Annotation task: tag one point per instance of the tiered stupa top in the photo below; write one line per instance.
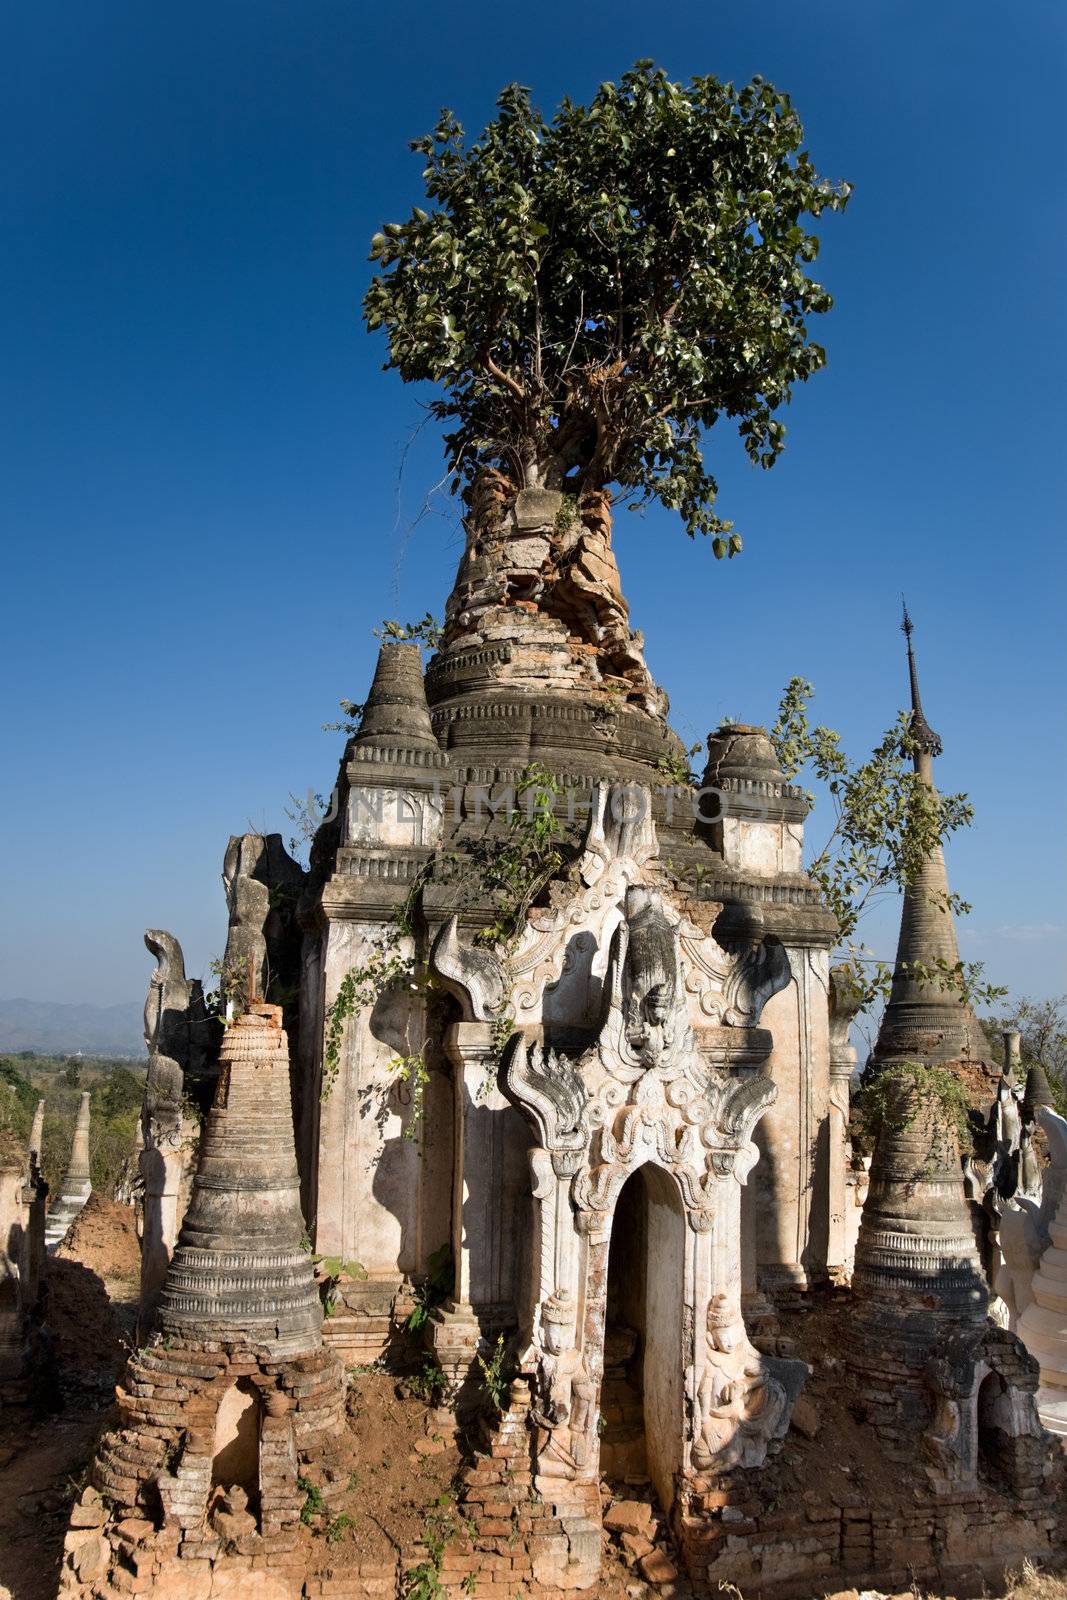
(925, 1021)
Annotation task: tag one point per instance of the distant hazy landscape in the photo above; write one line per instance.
(51, 1028)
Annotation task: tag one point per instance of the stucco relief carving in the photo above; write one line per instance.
(550, 1089)
(567, 944)
(567, 1389)
(566, 937)
(741, 1407)
(731, 987)
(469, 972)
(642, 1093)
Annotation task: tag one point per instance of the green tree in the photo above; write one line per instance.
(18, 1098)
(593, 293)
(1042, 1029)
(120, 1093)
(886, 821)
(72, 1072)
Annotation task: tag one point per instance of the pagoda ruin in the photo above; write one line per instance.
(572, 1073)
(234, 1393)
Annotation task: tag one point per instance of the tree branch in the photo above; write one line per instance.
(515, 388)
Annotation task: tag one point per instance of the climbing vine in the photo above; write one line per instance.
(516, 874)
(384, 965)
(513, 875)
(894, 1098)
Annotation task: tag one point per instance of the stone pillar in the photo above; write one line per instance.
(76, 1186)
(793, 1175)
(1013, 1059)
(844, 1004)
(162, 1169)
(37, 1133)
(77, 1181)
(489, 1140)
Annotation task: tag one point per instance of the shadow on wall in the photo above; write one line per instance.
(761, 1194)
(817, 1245)
(411, 1171)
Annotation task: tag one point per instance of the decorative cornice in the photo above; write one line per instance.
(395, 756)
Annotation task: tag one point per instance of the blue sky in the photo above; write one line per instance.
(204, 513)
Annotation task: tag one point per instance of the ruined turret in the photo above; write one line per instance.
(235, 1395)
(76, 1187)
(937, 1379)
(917, 1275)
(1036, 1095)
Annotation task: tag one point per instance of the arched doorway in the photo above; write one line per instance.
(642, 1400)
(236, 1454)
(992, 1415)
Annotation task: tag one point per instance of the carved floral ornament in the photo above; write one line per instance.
(642, 1092)
(641, 1089)
(728, 987)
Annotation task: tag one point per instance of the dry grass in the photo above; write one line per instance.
(1030, 1583)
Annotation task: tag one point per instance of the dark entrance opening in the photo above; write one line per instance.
(236, 1459)
(642, 1412)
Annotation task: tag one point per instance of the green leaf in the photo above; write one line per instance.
(653, 308)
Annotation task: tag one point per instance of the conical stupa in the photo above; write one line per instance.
(239, 1267)
(1036, 1094)
(395, 714)
(235, 1395)
(924, 1021)
(918, 1277)
(76, 1187)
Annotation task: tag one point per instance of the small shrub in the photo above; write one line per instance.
(496, 1374)
(434, 1290)
(313, 1505)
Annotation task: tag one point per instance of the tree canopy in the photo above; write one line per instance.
(594, 292)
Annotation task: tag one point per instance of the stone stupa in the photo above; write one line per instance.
(923, 1020)
(918, 1277)
(234, 1394)
(76, 1187)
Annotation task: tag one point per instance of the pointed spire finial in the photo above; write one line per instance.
(927, 741)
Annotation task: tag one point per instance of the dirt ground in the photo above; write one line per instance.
(44, 1458)
(406, 1468)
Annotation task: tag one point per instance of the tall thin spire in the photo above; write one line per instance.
(924, 1021)
(926, 740)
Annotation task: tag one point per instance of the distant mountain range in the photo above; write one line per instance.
(53, 1029)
